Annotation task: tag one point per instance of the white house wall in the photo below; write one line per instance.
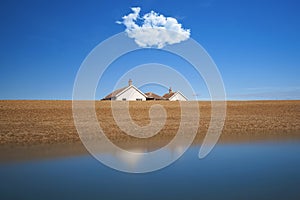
(131, 95)
(177, 97)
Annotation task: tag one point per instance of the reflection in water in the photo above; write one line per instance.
(136, 159)
(130, 159)
(261, 170)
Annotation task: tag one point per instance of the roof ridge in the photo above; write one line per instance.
(115, 92)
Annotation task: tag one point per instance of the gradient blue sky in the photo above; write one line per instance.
(255, 44)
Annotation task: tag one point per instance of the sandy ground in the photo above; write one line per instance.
(31, 125)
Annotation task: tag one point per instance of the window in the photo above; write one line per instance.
(124, 99)
(138, 99)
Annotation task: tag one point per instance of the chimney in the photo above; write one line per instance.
(170, 90)
(129, 82)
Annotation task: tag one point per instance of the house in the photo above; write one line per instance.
(129, 93)
(174, 96)
(153, 96)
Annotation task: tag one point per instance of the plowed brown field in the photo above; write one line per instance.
(51, 122)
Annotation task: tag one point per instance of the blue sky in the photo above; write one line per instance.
(255, 44)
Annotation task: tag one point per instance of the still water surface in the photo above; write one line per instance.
(260, 170)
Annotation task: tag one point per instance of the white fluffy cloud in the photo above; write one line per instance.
(155, 30)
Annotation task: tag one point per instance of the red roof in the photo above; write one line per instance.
(168, 95)
(153, 95)
(114, 93)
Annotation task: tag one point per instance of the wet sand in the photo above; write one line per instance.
(43, 129)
